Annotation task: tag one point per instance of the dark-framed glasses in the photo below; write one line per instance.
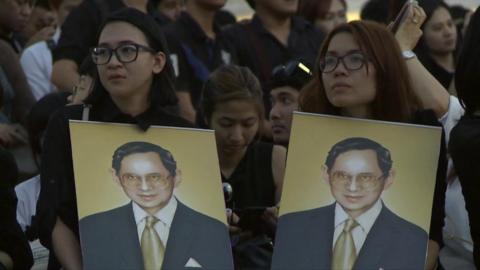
(362, 180)
(152, 180)
(351, 61)
(125, 53)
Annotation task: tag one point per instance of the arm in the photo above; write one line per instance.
(66, 246)
(65, 74)
(279, 157)
(432, 255)
(79, 33)
(5, 260)
(23, 99)
(187, 110)
(430, 92)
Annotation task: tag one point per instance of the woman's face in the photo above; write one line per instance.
(351, 87)
(336, 15)
(127, 80)
(440, 33)
(235, 123)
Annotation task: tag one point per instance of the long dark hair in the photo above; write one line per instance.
(162, 91)
(394, 99)
(467, 75)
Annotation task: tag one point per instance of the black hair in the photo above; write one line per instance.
(376, 10)
(429, 6)
(467, 74)
(229, 83)
(138, 147)
(162, 91)
(37, 118)
(294, 74)
(358, 143)
(251, 3)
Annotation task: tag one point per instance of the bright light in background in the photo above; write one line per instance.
(241, 9)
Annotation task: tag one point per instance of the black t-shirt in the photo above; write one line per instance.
(259, 50)
(464, 149)
(194, 55)
(57, 195)
(252, 180)
(80, 29)
(12, 239)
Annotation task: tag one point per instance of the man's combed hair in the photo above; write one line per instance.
(131, 148)
(358, 143)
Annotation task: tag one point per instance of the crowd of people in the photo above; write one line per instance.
(189, 63)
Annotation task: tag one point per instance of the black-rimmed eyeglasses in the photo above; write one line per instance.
(351, 61)
(126, 53)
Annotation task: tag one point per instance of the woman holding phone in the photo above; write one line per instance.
(363, 72)
(232, 106)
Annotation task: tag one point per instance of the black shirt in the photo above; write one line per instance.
(57, 195)
(260, 51)
(12, 239)
(464, 148)
(252, 180)
(80, 29)
(194, 55)
(428, 117)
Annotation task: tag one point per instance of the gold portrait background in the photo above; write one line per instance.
(93, 145)
(414, 150)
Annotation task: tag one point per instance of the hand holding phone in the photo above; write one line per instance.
(406, 26)
(401, 16)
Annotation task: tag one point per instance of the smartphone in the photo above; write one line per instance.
(250, 217)
(401, 15)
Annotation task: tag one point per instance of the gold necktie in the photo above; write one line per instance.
(152, 247)
(344, 253)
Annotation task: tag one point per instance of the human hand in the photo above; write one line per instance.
(81, 90)
(11, 136)
(270, 215)
(409, 32)
(43, 34)
(233, 220)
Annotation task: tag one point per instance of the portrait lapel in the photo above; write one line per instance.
(180, 239)
(125, 238)
(321, 229)
(376, 243)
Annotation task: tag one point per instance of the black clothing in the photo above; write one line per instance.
(57, 196)
(428, 117)
(253, 187)
(12, 239)
(252, 180)
(464, 149)
(260, 51)
(443, 76)
(194, 55)
(80, 29)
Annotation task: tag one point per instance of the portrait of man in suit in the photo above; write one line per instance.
(155, 230)
(357, 231)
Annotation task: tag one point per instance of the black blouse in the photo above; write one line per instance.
(57, 196)
(464, 148)
(252, 181)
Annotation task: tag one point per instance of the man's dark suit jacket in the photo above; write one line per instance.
(304, 240)
(110, 241)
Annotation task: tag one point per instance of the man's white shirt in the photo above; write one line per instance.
(365, 223)
(165, 217)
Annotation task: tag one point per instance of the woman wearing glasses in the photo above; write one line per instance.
(361, 74)
(133, 86)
